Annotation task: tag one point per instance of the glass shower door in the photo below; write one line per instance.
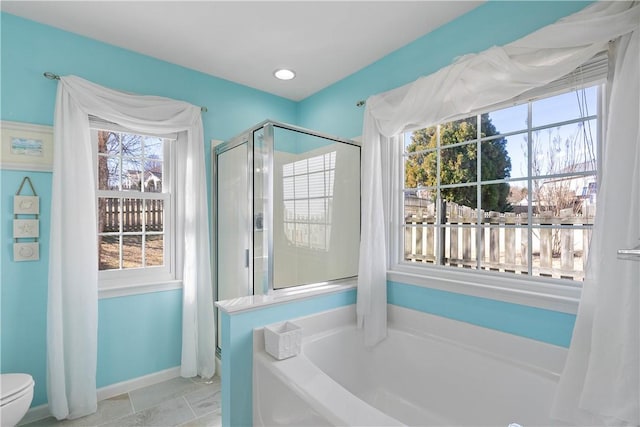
(233, 224)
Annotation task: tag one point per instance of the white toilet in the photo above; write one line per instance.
(16, 393)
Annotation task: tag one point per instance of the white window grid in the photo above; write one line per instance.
(479, 245)
(124, 192)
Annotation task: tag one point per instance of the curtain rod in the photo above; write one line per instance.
(52, 76)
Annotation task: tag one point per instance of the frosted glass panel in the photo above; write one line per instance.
(233, 224)
(316, 209)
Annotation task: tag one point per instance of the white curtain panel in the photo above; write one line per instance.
(198, 329)
(371, 303)
(474, 83)
(73, 264)
(72, 322)
(601, 379)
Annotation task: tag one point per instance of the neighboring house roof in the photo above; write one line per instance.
(150, 176)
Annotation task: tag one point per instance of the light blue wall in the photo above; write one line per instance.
(23, 288)
(530, 322)
(137, 335)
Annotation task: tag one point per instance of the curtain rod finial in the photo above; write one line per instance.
(51, 76)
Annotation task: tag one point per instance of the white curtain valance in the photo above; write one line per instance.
(143, 113)
(478, 81)
(73, 265)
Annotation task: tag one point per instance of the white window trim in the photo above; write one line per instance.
(119, 283)
(115, 290)
(545, 293)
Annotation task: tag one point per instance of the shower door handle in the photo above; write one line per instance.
(246, 258)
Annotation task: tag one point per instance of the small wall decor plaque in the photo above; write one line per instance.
(26, 205)
(29, 251)
(25, 228)
(26, 225)
(26, 146)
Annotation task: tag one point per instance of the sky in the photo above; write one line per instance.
(544, 112)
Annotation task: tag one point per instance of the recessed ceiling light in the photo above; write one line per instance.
(284, 74)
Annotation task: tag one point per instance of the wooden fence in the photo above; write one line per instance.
(500, 241)
(135, 213)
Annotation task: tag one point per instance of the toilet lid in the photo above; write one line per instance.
(12, 384)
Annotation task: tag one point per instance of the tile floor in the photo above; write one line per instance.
(180, 402)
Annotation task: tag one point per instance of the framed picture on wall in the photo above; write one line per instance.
(26, 146)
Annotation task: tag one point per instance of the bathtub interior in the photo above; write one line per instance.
(443, 385)
(271, 409)
(436, 371)
(295, 391)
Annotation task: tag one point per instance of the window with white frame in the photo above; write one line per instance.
(511, 190)
(134, 202)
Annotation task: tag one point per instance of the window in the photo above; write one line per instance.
(511, 190)
(308, 198)
(134, 201)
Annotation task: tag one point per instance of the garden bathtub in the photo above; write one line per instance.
(429, 371)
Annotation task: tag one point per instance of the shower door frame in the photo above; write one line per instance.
(246, 138)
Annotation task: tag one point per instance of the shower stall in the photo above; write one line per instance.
(287, 210)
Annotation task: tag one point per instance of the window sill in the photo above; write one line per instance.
(517, 290)
(114, 291)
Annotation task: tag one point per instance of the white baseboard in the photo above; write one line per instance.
(42, 411)
(130, 385)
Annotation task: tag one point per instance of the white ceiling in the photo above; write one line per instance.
(245, 41)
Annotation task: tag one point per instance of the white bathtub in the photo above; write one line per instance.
(429, 371)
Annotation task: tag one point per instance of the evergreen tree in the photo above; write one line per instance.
(459, 164)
